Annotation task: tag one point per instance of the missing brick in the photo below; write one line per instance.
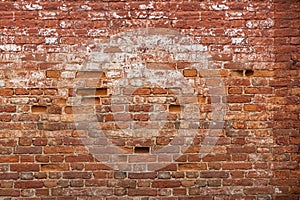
(141, 149)
(38, 109)
(174, 108)
(249, 72)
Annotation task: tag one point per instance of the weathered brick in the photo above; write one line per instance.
(6, 92)
(25, 167)
(52, 74)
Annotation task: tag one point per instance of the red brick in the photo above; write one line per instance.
(147, 175)
(259, 190)
(233, 166)
(77, 175)
(28, 150)
(192, 166)
(25, 167)
(166, 184)
(190, 72)
(254, 107)
(9, 176)
(21, 91)
(214, 174)
(11, 192)
(52, 74)
(54, 167)
(161, 65)
(238, 99)
(58, 150)
(28, 184)
(262, 90)
(9, 159)
(6, 92)
(142, 192)
(237, 182)
(8, 109)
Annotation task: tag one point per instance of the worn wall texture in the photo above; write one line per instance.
(150, 99)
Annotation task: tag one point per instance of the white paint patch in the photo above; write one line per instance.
(97, 16)
(68, 74)
(95, 32)
(47, 15)
(2, 83)
(63, 7)
(16, 5)
(73, 66)
(51, 40)
(10, 47)
(235, 32)
(64, 24)
(32, 7)
(115, 15)
(85, 7)
(157, 15)
(237, 40)
(220, 7)
(48, 32)
(114, 74)
(278, 191)
(37, 75)
(250, 8)
(268, 23)
(145, 7)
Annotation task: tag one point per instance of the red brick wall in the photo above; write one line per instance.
(149, 99)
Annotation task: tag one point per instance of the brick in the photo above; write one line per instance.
(136, 91)
(54, 110)
(8, 109)
(25, 167)
(53, 74)
(254, 107)
(28, 150)
(28, 184)
(189, 72)
(6, 92)
(58, 150)
(54, 167)
(79, 158)
(146, 175)
(258, 90)
(9, 176)
(214, 174)
(142, 192)
(161, 65)
(259, 190)
(238, 99)
(237, 182)
(21, 91)
(92, 92)
(166, 184)
(11, 192)
(232, 166)
(192, 166)
(9, 159)
(76, 175)
(90, 74)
